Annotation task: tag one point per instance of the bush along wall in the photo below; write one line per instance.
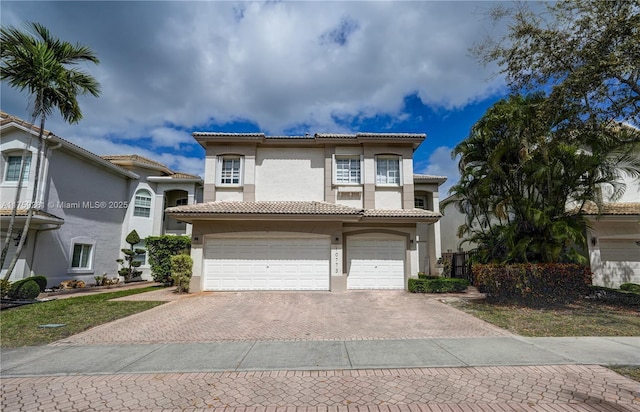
(533, 284)
(437, 285)
(160, 249)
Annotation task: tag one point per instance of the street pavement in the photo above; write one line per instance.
(365, 372)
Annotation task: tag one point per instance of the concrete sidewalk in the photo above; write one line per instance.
(318, 355)
(491, 374)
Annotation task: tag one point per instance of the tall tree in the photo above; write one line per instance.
(524, 181)
(582, 54)
(46, 67)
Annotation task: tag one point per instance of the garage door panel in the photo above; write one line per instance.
(266, 264)
(375, 263)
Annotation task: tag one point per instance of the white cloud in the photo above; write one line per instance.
(303, 66)
(440, 163)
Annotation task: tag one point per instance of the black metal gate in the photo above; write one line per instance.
(459, 266)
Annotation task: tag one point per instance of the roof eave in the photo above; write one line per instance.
(191, 217)
(169, 179)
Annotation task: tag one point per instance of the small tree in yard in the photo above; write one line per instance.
(129, 265)
(181, 268)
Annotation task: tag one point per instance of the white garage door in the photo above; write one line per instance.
(375, 263)
(266, 264)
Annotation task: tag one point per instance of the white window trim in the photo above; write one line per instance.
(335, 169)
(219, 161)
(5, 160)
(82, 241)
(399, 158)
(150, 203)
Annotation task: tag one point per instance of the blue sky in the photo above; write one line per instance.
(170, 68)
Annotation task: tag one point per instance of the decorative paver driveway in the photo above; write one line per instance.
(233, 316)
(491, 389)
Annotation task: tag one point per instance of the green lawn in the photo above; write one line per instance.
(19, 326)
(583, 318)
(632, 372)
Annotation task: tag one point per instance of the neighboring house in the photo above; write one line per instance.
(322, 212)
(613, 237)
(451, 220)
(86, 204)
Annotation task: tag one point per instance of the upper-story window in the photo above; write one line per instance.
(347, 170)
(182, 201)
(14, 163)
(420, 202)
(388, 171)
(229, 171)
(142, 204)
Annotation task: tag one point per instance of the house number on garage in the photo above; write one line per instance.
(336, 260)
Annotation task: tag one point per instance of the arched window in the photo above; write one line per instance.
(142, 204)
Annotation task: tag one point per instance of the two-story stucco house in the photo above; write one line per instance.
(86, 204)
(314, 212)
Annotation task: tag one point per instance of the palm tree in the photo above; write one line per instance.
(519, 171)
(44, 66)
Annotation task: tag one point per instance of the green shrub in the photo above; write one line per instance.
(437, 285)
(630, 287)
(24, 289)
(533, 284)
(422, 275)
(41, 281)
(4, 287)
(159, 251)
(614, 296)
(181, 270)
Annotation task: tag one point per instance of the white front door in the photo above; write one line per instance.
(375, 262)
(266, 264)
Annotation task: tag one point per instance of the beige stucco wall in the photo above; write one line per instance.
(289, 174)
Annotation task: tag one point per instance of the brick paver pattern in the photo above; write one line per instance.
(529, 388)
(264, 316)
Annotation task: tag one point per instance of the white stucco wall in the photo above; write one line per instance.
(91, 201)
(289, 174)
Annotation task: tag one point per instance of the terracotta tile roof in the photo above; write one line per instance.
(366, 135)
(6, 118)
(429, 178)
(630, 208)
(23, 213)
(180, 175)
(224, 134)
(297, 208)
(132, 158)
(286, 208)
(409, 213)
(371, 135)
(120, 160)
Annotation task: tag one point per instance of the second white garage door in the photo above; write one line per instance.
(375, 263)
(266, 264)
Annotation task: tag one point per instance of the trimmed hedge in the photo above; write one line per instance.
(630, 287)
(533, 283)
(24, 289)
(422, 275)
(614, 296)
(41, 281)
(437, 285)
(160, 249)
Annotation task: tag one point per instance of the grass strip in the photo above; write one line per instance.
(582, 318)
(631, 372)
(19, 326)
